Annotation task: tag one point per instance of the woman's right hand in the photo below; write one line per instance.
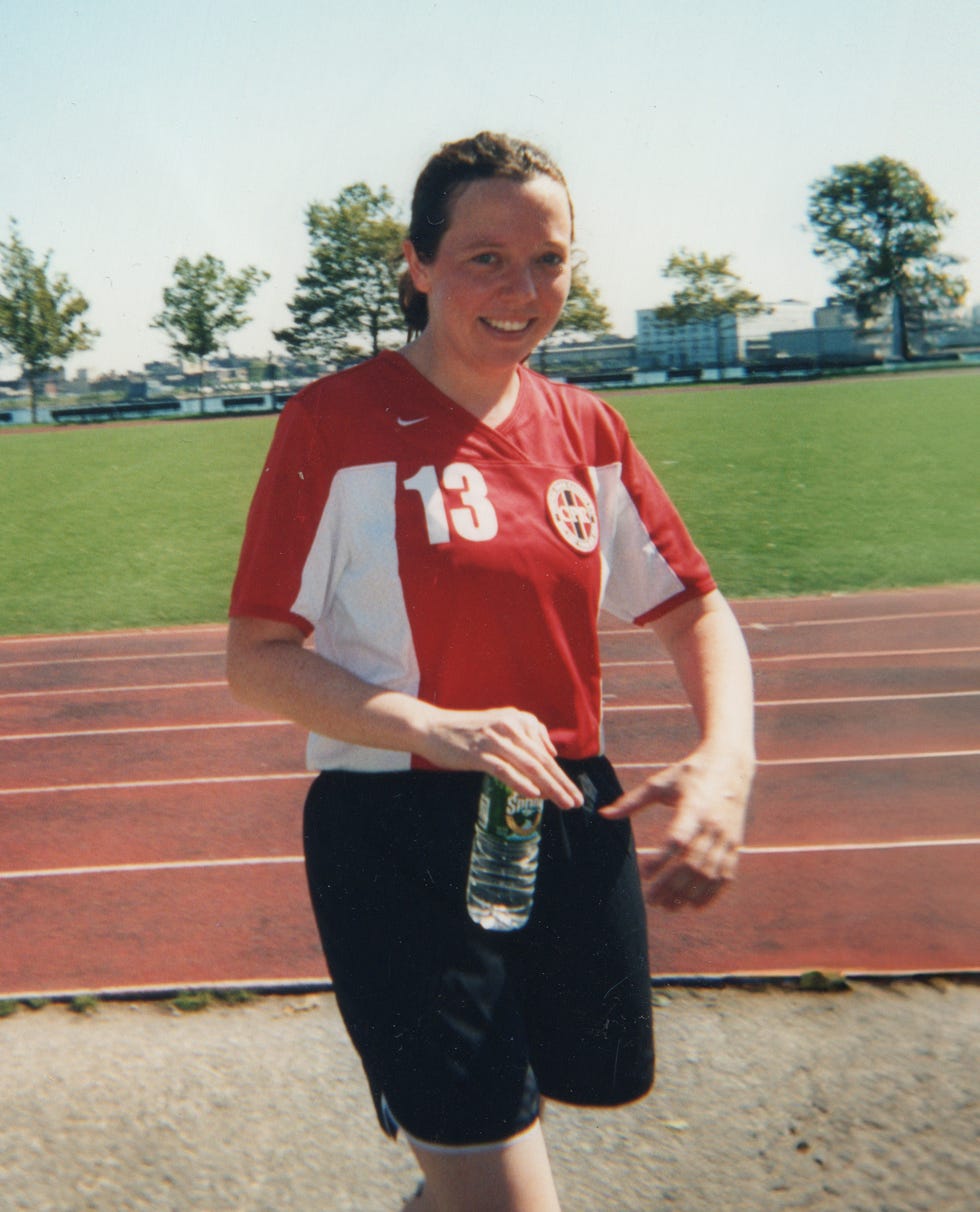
(269, 667)
(512, 745)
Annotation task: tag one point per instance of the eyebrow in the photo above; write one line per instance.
(497, 242)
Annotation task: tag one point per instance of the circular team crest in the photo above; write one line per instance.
(573, 515)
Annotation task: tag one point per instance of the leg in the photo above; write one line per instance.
(512, 1177)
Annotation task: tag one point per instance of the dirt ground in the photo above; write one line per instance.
(768, 1099)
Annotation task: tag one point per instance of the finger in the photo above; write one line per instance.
(701, 855)
(729, 864)
(555, 784)
(534, 753)
(657, 790)
(534, 777)
(713, 854)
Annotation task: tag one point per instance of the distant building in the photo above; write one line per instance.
(834, 340)
(834, 315)
(682, 347)
(823, 345)
(163, 370)
(610, 357)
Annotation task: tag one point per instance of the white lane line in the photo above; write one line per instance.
(843, 759)
(221, 628)
(870, 757)
(140, 633)
(217, 780)
(96, 660)
(871, 698)
(145, 729)
(863, 618)
(816, 656)
(144, 784)
(832, 847)
(836, 622)
(608, 708)
(174, 865)
(293, 859)
(635, 633)
(840, 847)
(889, 654)
(136, 687)
(797, 702)
(832, 701)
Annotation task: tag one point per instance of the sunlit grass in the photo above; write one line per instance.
(838, 485)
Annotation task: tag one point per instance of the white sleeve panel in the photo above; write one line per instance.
(352, 593)
(635, 576)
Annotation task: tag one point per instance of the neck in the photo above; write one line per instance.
(489, 396)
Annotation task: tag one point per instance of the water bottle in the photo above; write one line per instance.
(504, 857)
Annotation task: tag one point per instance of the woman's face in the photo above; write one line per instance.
(501, 274)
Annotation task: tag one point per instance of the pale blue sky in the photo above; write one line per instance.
(134, 133)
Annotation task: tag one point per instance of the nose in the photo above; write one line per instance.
(519, 283)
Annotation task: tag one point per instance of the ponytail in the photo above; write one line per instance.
(414, 305)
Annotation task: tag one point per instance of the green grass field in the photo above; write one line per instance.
(837, 485)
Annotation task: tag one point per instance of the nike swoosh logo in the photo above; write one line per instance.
(405, 421)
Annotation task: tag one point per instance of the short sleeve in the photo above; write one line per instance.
(282, 520)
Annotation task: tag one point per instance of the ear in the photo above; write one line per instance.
(418, 269)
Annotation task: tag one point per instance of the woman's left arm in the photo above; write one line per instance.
(709, 789)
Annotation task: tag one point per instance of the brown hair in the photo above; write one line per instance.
(453, 166)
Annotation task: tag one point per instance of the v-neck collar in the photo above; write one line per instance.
(465, 419)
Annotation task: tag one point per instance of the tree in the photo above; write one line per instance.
(711, 290)
(584, 314)
(41, 317)
(348, 295)
(882, 225)
(205, 303)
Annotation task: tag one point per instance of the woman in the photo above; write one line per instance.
(447, 525)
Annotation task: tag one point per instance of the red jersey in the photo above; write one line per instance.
(431, 554)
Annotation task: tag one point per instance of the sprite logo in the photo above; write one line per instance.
(522, 816)
(506, 813)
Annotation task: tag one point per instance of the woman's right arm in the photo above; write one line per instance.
(270, 668)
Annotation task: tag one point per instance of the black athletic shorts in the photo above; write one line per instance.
(459, 1028)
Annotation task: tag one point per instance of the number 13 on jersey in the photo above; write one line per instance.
(474, 518)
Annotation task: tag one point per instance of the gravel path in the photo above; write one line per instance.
(771, 1099)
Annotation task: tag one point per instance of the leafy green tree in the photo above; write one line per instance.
(348, 296)
(882, 225)
(41, 316)
(710, 290)
(204, 304)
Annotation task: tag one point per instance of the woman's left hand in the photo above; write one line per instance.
(699, 856)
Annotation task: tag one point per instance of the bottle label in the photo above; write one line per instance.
(506, 814)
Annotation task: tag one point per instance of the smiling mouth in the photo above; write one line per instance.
(508, 326)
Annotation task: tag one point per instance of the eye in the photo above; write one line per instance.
(485, 258)
(554, 260)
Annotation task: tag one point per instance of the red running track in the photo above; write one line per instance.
(150, 827)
